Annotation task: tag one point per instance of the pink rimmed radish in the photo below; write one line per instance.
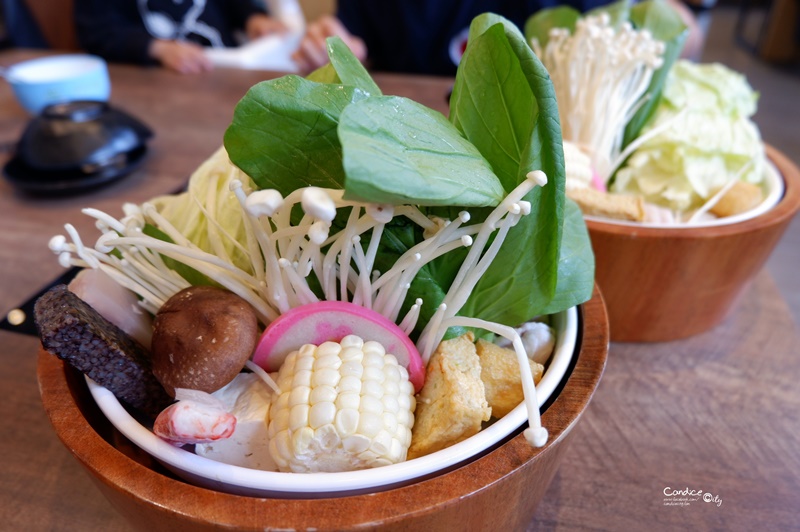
(324, 321)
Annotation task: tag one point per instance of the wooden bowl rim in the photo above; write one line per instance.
(786, 208)
(151, 489)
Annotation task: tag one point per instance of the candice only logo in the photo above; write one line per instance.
(687, 496)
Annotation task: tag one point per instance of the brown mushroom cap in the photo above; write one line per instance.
(202, 338)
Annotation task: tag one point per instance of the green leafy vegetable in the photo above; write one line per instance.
(539, 25)
(666, 25)
(325, 74)
(284, 136)
(619, 12)
(504, 102)
(283, 133)
(494, 106)
(349, 69)
(431, 282)
(503, 124)
(398, 151)
(575, 262)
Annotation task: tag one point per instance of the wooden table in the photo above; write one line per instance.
(719, 412)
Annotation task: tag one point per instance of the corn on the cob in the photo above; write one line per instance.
(342, 407)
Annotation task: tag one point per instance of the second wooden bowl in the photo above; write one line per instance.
(499, 490)
(664, 284)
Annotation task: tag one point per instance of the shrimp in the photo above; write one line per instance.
(197, 417)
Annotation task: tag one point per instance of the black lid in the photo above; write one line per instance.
(74, 146)
(82, 136)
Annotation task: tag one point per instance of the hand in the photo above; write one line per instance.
(183, 57)
(312, 52)
(259, 25)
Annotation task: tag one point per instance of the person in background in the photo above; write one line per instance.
(18, 29)
(168, 32)
(424, 37)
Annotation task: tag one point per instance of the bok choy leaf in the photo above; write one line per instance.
(504, 102)
(283, 133)
(398, 151)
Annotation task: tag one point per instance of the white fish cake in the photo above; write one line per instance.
(248, 398)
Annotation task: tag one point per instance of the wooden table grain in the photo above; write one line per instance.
(717, 413)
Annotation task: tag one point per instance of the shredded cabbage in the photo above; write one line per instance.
(208, 213)
(708, 139)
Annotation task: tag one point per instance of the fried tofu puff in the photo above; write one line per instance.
(742, 197)
(614, 206)
(501, 378)
(452, 404)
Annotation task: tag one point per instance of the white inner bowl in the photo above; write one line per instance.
(244, 481)
(49, 69)
(772, 186)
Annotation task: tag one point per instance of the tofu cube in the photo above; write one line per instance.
(452, 404)
(501, 378)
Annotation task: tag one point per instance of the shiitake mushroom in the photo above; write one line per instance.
(202, 338)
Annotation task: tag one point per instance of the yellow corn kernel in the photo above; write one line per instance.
(342, 407)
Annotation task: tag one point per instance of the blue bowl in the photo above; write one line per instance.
(56, 79)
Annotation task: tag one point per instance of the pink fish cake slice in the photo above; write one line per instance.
(324, 321)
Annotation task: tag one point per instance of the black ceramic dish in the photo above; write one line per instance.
(74, 146)
(69, 182)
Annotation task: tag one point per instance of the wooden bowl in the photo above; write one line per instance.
(499, 490)
(663, 284)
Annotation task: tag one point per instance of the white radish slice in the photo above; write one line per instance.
(325, 321)
(115, 303)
